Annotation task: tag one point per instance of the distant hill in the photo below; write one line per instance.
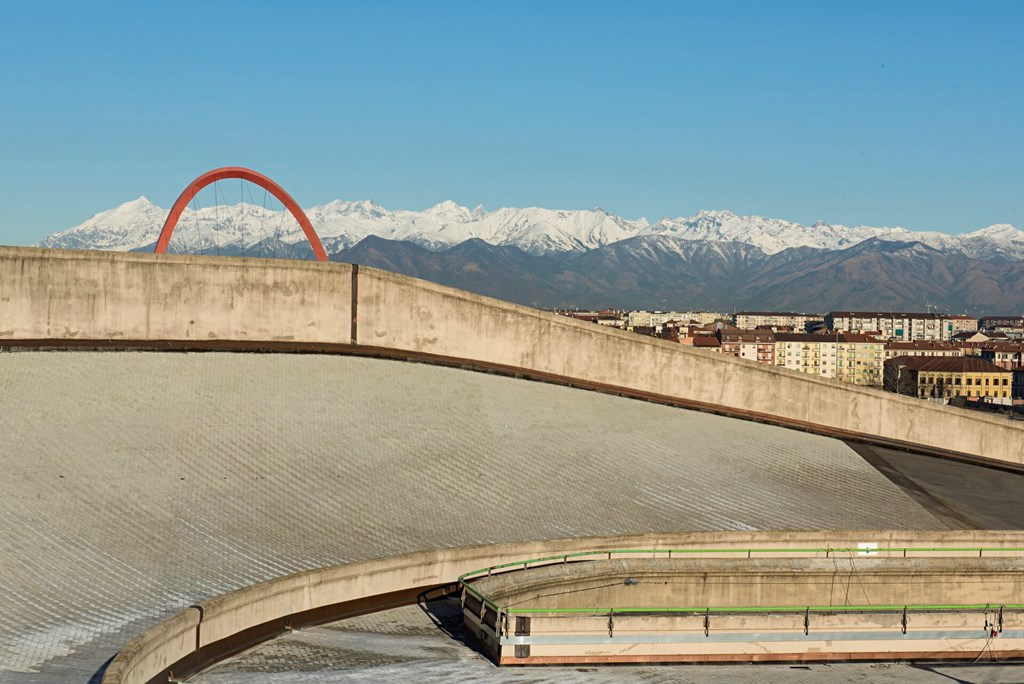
(658, 272)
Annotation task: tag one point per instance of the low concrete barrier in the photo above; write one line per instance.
(856, 604)
(214, 629)
(158, 649)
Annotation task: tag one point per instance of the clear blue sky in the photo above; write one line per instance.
(876, 113)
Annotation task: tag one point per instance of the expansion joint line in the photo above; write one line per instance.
(355, 303)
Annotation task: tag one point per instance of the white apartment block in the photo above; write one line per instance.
(748, 320)
(959, 324)
(702, 317)
(904, 327)
(656, 319)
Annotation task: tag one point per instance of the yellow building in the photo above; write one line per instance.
(949, 377)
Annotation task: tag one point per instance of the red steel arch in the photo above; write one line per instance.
(254, 177)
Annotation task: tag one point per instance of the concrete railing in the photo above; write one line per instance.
(202, 634)
(764, 604)
(66, 298)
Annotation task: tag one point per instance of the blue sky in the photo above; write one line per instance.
(875, 113)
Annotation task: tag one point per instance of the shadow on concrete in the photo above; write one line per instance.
(963, 496)
(445, 611)
(97, 676)
(972, 673)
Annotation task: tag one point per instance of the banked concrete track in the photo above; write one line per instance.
(139, 482)
(136, 484)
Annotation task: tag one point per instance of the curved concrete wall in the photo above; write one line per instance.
(187, 634)
(58, 296)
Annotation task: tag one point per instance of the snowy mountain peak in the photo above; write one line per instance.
(450, 211)
(364, 209)
(999, 231)
(447, 205)
(140, 202)
(350, 207)
(127, 210)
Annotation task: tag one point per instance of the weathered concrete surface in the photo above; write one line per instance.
(741, 582)
(398, 312)
(982, 498)
(158, 648)
(66, 295)
(136, 484)
(57, 294)
(566, 609)
(426, 644)
(232, 613)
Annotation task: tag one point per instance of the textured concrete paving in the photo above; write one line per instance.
(428, 645)
(134, 484)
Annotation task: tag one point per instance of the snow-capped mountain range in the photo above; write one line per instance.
(242, 228)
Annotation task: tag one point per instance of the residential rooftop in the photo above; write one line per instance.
(946, 364)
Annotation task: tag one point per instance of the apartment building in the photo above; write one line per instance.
(607, 317)
(702, 317)
(922, 348)
(611, 318)
(578, 314)
(707, 342)
(1006, 324)
(749, 320)
(962, 324)
(656, 319)
(904, 327)
(1008, 355)
(849, 357)
(755, 345)
(946, 378)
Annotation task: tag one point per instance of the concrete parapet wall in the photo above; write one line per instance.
(721, 583)
(398, 312)
(155, 651)
(67, 295)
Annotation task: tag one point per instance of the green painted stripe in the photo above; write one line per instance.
(860, 551)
